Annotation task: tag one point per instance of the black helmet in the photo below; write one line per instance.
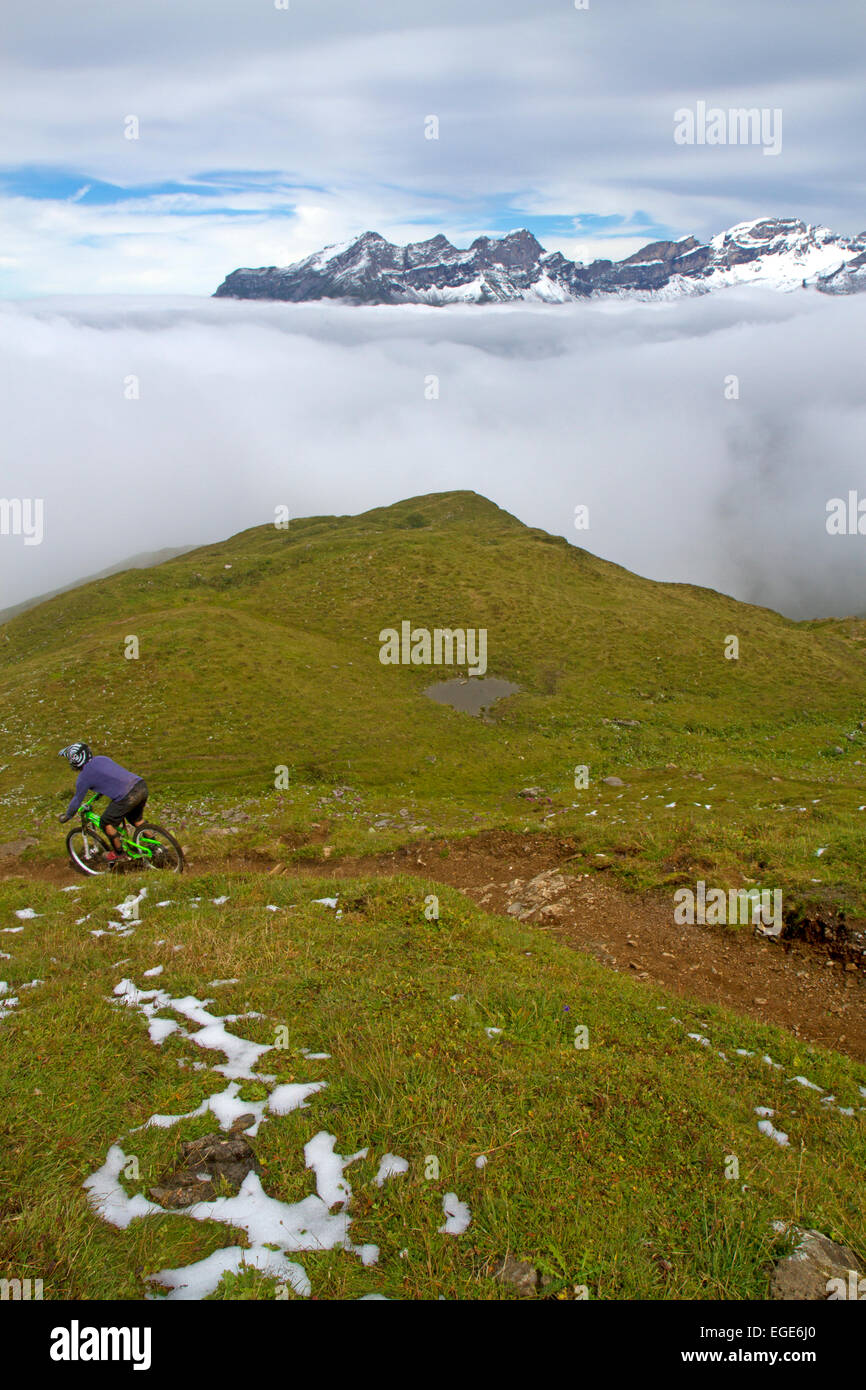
(77, 754)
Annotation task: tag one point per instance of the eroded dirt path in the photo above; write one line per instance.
(802, 987)
(818, 998)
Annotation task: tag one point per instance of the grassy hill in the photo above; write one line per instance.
(608, 1166)
(144, 561)
(262, 652)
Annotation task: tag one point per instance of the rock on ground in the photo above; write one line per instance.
(805, 1273)
(206, 1161)
(16, 847)
(536, 895)
(518, 1274)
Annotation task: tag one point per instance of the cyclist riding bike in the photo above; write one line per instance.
(126, 792)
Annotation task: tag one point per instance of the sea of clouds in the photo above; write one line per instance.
(147, 422)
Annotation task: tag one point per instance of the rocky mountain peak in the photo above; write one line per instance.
(782, 253)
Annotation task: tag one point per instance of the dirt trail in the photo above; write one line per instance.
(802, 987)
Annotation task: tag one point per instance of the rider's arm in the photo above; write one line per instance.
(82, 787)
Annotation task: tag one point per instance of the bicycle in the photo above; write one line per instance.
(146, 846)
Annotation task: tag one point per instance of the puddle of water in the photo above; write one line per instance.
(472, 695)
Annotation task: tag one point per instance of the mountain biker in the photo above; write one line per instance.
(126, 791)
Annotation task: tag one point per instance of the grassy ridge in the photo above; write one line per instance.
(606, 1165)
(262, 652)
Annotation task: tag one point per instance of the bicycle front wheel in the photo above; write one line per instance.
(87, 850)
(158, 849)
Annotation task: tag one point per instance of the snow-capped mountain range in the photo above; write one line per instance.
(776, 253)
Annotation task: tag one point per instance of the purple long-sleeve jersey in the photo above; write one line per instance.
(104, 776)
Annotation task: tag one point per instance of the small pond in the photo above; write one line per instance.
(472, 694)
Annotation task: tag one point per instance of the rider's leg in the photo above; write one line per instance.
(119, 810)
(109, 822)
(112, 833)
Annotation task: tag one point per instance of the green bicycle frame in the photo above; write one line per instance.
(89, 817)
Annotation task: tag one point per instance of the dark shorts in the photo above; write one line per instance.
(130, 806)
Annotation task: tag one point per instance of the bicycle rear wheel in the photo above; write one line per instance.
(159, 849)
(87, 850)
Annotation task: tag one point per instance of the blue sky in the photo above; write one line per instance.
(499, 214)
(265, 134)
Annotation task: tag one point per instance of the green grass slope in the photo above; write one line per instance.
(263, 651)
(631, 1167)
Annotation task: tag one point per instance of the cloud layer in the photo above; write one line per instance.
(618, 407)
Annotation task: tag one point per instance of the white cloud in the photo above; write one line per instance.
(617, 406)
